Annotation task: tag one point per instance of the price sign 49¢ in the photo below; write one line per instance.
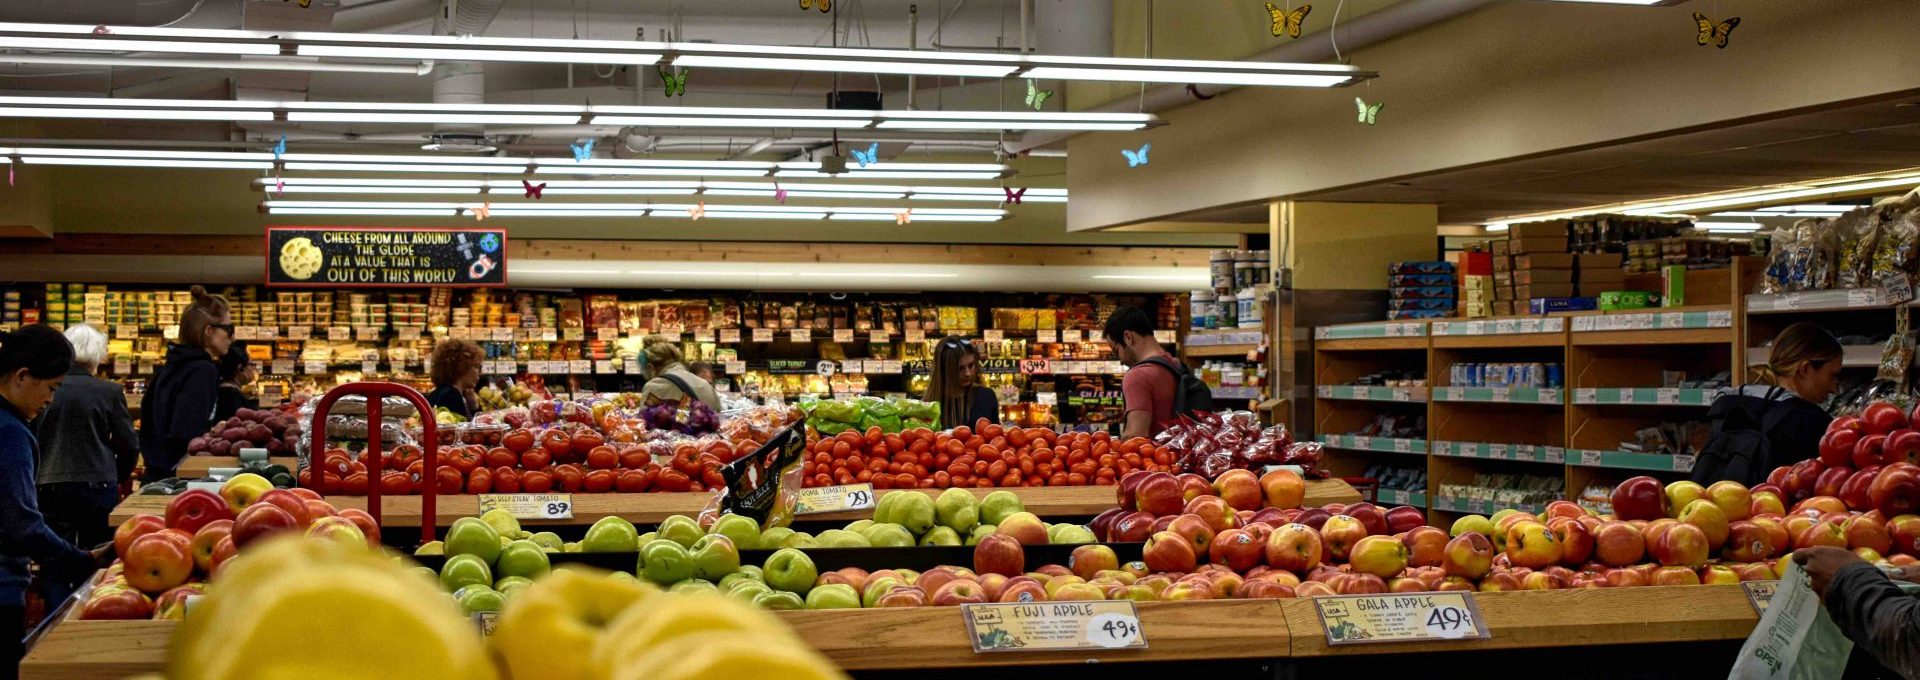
(1408, 617)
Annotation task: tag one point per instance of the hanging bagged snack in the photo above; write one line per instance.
(1853, 235)
(1780, 260)
(762, 486)
(1820, 249)
(1899, 229)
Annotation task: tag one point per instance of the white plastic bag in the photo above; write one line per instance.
(1795, 640)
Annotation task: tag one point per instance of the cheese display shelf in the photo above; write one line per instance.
(922, 638)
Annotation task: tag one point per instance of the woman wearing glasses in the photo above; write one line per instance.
(955, 385)
(181, 399)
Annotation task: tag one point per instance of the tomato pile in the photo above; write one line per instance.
(984, 456)
(554, 460)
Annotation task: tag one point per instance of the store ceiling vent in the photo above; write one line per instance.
(459, 142)
(853, 100)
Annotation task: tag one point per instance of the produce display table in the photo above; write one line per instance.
(651, 508)
(195, 467)
(935, 637)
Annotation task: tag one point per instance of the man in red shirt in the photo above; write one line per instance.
(1148, 385)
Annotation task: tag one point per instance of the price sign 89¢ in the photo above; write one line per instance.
(530, 505)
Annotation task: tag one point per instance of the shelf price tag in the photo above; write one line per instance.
(916, 335)
(573, 334)
(283, 367)
(824, 368)
(606, 334)
(579, 366)
(502, 334)
(126, 331)
(529, 505)
(1413, 617)
(1683, 463)
(1069, 336)
(316, 367)
(603, 366)
(880, 336)
(1760, 594)
(703, 335)
(122, 365)
(736, 367)
(843, 335)
(1035, 367)
(339, 333)
(369, 367)
(800, 335)
(299, 332)
(366, 333)
(1046, 336)
(1053, 626)
(992, 335)
(834, 498)
(673, 332)
(730, 335)
(763, 335)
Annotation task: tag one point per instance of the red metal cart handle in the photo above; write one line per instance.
(374, 393)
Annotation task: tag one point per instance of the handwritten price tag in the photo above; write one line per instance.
(736, 367)
(730, 335)
(703, 335)
(763, 335)
(605, 334)
(573, 334)
(1760, 594)
(834, 498)
(1053, 626)
(299, 332)
(1069, 336)
(879, 336)
(800, 335)
(1413, 617)
(843, 335)
(122, 365)
(916, 335)
(530, 505)
(126, 332)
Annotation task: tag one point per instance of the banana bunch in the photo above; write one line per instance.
(300, 608)
(646, 635)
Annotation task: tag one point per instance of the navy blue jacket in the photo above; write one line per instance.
(24, 535)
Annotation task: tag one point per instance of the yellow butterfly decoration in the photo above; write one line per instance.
(824, 5)
(698, 211)
(1712, 33)
(304, 4)
(1288, 21)
(903, 217)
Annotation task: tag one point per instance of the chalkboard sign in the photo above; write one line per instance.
(335, 257)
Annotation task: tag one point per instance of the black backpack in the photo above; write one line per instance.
(1738, 447)
(1190, 393)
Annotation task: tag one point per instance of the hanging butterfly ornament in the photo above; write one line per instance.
(903, 216)
(676, 84)
(102, 30)
(1036, 97)
(1369, 114)
(483, 212)
(582, 151)
(1288, 21)
(868, 157)
(822, 5)
(304, 4)
(1712, 33)
(1014, 197)
(534, 191)
(698, 211)
(779, 193)
(279, 184)
(1136, 158)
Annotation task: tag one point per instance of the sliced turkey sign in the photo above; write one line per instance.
(335, 257)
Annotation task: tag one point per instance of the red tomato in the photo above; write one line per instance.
(601, 457)
(535, 459)
(447, 481)
(480, 481)
(500, 456)
(599, 481)
(517, 440)
(557, 442)
(536, 481)
(395, 484)
(506, 480)
(632, 481)
(569, 477)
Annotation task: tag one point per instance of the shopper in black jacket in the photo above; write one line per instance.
(181, 399)
(237, 371)
(87, 446)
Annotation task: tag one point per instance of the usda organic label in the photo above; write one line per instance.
(834, 498)
(529, 505)
(1412, 617)
(1053, 626)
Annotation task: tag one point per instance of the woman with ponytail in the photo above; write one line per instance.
(180, 401)
(1776, 418)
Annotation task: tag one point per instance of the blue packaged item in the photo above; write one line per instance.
(1420, 304)
(1553, 375)
(1404, 280)
(1411, 292)
(1406, 314)
(1549, 305)
(1421, 267)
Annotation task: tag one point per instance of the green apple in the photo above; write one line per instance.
(464, 570)
(957, 509)
(772, 537)
(647, 537)
(747, 591)
(547, 539)
(884, 508)
(728, 582)
(431, 548)
(877, 587)
(524, 558)
(681, 529)
(752, 572)
(914, 511)
(570, 547)
(502, 521)
(1070, 534)
(1475, 523)
(841, 538)
(503, 583)
(997, 505)
(503, 541)
(665, 562)
(779, 600)
(513, 589)
(470, 536)
(610, 534)
(694, 585)
(480, 598)
(623, 576)
(790, 570)
(860, 526)
(889, 536)
(910, 576)
(981, 531)
(1501, 514)
(520, 535)
(428, 572)
(799, 539)
(741, 529)
(833, 596)
(714, 556)
(940, 535)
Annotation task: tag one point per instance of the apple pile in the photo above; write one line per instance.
(1149, 501)
(1749, 526)
(269, 429)
(1866, 461)
(984, 456)
(161, 561)
(955, 518)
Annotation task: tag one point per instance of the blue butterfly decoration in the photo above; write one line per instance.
(1136, 158)
(489, 243)
(280, 148)
(582, 151)
(868, 157)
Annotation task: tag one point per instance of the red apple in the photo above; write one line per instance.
(958, 593)
(288, 501)
(1674, 576)
(1404, 518)
(1168, 551)
(1426, 546)
(1680, 544)
(135, 527)
(1358, 584)
(1236, 549)
(1831, 480)
(117, 604)
(1297, 548)
(1618, 544)
(1568, 509)
(1576, 543)
(1882, 418)
(1159, 494)
(1240, 489)
(195, 508)
(1022, 590)
(1531, 544)
(1904, 532)
(1373, 517)
(1853, 492)
(1896, 490)
(366, 524)
(1125, 488)
(1197, 531)
(1863, 532)
(1748, 542)
(1836, 446)
(1313, 517)
(260, 520)
(1340, 533)
(1469, 555)
(1193, 486)
(1214, 510)
(1641, 498)
(1283, 488)
(1133, 527)
(206, 539)
(1625, 578)
(156, 562)
(1102, 524)
(1821, 533)
(1902, 446)
(999, 554)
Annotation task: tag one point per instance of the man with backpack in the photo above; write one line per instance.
(1157, 387)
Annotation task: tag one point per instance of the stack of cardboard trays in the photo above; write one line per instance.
(1476, 283)
(1534, 274)
(1420, 290)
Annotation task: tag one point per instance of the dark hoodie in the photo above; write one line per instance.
(178, 407)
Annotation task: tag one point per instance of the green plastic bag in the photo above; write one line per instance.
(1795, 639)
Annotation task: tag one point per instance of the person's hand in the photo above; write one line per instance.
(102, 556)
(1909, 573)
(1822, 563)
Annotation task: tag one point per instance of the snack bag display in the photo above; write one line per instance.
(762, 485)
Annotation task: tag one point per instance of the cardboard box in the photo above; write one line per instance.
(1543, 290)
(1476, 311)
(1473, 263)
(1503, 293)
(1599, 260)
(1545, 261)
(1503, 278)
(1603, 275)
(1502, 263)
(1673, 290)
(1545, 244)
(1537, 230)
(1500, 249)
(1530, 276)
(1480, 283)
(1503, 308)
(1560, 304)
(1476, 297)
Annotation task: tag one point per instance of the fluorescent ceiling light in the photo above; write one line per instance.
(1728, 227)
(564, 209)
(1775, 215)
(418, 48)
(1199, 275)
(1829, 188)
(1496, 228)
(430, 187)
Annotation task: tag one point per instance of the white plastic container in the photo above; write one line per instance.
(1248, 304)
(1220, 267)
(1205, 311)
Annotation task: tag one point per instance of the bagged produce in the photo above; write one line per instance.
(1795, 638)
(763, 484)
(1211, 443)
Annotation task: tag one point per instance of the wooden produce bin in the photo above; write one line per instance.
(935, 637)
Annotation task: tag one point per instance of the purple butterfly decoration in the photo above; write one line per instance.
(534, 190)
(780, 194)
(1015, 196)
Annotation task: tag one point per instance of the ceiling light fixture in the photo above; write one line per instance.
(382, 113)
(563, 209)
(498, 165)
(417, 48)
(1829, 188)
(1729, 227)
(430, 187)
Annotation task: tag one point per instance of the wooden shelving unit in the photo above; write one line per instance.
(1491, 430)
(1342, 355)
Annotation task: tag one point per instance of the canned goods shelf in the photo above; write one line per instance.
(1501, 395)
(1525, 453)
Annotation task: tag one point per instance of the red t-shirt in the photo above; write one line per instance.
(1150, 387)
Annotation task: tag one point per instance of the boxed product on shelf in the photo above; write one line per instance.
(1420, 267)
(1673, 287)
(1534, 374)
(1542, 290)
(1419, 280)
(1535, 276)
(1537, 230)
(1561, 304)
(1545, 261)
(1625, 299)
(1473, 263)
(1439, 304)
(1421, 292)
(1412, 314)
(1398, 477)
(1523, 246)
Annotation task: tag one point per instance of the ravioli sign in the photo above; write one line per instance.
(336, 257)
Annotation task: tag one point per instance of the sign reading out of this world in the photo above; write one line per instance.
(386, 257)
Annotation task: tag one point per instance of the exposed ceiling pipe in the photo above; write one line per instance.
(276, 64)
(1394, 20)
(754, 148)
(462, 82)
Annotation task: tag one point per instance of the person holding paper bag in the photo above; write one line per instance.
(1880, 618)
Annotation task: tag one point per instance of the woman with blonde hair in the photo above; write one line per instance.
(1775, 419)
(669, 380)
(185, 390)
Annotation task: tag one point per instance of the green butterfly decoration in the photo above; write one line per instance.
(676, 85)
(1368, 114)
(1036, 97)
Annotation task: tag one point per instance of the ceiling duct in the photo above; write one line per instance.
(462, 82)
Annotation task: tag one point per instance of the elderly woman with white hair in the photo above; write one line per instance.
(87, 446)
